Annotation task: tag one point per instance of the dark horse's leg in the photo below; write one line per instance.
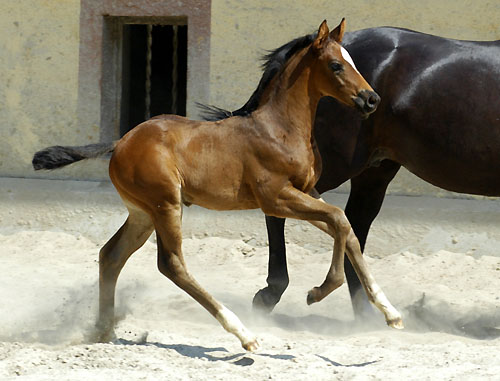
(277, 278)
(365, 200)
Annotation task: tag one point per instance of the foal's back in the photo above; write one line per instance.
(200, 162)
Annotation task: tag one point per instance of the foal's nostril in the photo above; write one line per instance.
(367, 101)
(373, 100)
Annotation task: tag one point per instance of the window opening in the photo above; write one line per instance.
(154, 72)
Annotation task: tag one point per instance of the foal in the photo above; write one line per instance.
(267, 160)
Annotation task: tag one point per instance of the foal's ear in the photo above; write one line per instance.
(322, 36)
(338, 32)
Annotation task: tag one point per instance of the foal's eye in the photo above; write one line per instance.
(337, 67)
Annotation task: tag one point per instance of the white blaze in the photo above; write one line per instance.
(347, 57)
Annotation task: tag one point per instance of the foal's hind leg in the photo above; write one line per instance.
(171, 263)
(112, 257)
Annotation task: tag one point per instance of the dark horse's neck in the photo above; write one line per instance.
(291, 99)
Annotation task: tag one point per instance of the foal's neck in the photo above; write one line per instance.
(292, 98)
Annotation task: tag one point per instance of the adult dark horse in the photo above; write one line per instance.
(439, 118)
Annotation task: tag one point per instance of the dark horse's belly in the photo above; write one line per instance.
(477, 178)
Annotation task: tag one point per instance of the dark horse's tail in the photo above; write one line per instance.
(57, 156)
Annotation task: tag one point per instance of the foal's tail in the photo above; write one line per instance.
(57, 156)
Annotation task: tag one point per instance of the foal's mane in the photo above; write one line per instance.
(273, 62)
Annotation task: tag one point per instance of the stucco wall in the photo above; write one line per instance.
(39, 58)
(243, 30)
(39, 78)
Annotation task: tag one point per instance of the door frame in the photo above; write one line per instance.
(99, 73)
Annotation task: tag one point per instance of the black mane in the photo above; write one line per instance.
(274, 60)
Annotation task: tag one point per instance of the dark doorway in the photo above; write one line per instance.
(154, 72)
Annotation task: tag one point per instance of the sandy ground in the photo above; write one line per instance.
(438, 261)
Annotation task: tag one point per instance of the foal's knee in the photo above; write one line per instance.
(353, 242)
(342, 224)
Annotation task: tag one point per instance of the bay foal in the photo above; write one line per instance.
(267, 160)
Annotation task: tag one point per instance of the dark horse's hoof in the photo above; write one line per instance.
(264, 301)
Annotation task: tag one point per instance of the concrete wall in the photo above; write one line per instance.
(39, 58)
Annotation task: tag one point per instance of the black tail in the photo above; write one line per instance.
(57, 156)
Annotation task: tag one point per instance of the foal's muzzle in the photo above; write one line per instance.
(367, 101)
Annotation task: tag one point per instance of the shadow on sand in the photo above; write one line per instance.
(210, 354)
(334, 363)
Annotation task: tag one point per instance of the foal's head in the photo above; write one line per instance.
(335, 73)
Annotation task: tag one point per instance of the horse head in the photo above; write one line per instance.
(336, 74)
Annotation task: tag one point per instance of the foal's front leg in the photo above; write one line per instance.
(295, 204)
(335, 275)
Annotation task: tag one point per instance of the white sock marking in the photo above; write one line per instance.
(232, 324)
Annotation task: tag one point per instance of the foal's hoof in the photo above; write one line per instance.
(396, 323)
(313, 296)
(251, 346)
(103, 335)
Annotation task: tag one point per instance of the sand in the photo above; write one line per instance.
(437, 260)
